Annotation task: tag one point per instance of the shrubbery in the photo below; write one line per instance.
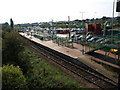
(12, 46)
(13, 51)
(13, 78)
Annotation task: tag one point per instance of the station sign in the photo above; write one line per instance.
(118, 6)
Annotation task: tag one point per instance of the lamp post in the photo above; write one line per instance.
(69, 26)
(113, 15)
(94, 17)
(83, 33)
(52, 28)
(82, 15)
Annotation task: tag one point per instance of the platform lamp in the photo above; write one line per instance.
(69, 26)
(113, 16)
(83, 33)
(104, 31)
(52, 29)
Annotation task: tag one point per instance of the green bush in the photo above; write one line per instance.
(24, 62)
(13, 78)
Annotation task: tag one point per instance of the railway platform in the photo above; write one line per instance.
(77, 54)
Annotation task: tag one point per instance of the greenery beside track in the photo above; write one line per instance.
(36, 73)
(45, 75)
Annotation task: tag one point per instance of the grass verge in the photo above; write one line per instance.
(44, 75)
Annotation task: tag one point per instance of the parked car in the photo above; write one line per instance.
(72, 35)
(93, 39)
(99, 40)
(108, 40)
(89, 36)
(117, 42)
(81, 37)
(70, 41)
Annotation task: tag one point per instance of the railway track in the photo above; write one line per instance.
(62, 60)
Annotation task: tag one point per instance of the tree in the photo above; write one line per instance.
(6, 27)
(13, 51)
(104, 18)
(11, 23)
(12, 46)
(13, 78)
(77, 20)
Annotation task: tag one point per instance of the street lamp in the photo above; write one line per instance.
(83, 33)
(82, 15)
(94, 17)
(52, 29)
(69, 26)
(113, 15)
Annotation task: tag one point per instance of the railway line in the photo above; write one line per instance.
(74, 66)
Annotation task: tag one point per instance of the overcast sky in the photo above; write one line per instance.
(29, 11)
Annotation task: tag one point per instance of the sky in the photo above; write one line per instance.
(31, 11)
